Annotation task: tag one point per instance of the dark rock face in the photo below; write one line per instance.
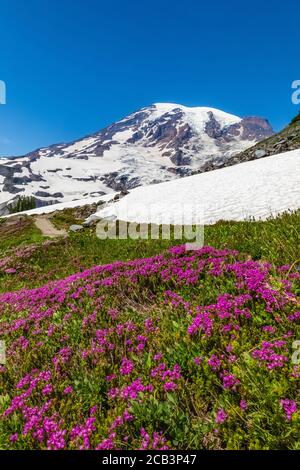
(45, 194)
(12, 178)
(213, 127)
(7, 171)
(105, 137)
(254, 128)
(250, 128)
(43, 203)
(121, 182)
(285, 141)
(12, 189)
(179, 159)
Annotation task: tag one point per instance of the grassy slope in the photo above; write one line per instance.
(186, 412)
(276, 240)
(17, 232)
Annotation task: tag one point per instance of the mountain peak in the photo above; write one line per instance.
(157, 143)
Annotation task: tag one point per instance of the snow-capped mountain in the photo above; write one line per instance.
(255, 189)
(155, 144)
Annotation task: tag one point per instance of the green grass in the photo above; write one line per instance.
(18, 232)
(276, 240)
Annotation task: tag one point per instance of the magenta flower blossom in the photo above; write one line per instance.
(269, 329)
(10, 271)
(198, 360)
(107, 444)
(126, 366)
(289, 407)
(221, 416)
(214, 362)
(47, 390)
(170, 387)
(243, 405)
(229, 380)
(268, 354)
(158, 357)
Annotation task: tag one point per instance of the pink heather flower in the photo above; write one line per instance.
(51, 330)
(113, 313)
(127, 416)
(131, 392)
(229, 380)
(93, 410)
(269, 329)
(10, 271)
(47, 389)
(155, 442)
(296, 372)
(107, 444)
(221, 416)
(68, 390)
(120, 420)
(111, 377)
(158, 357)
(289, 407)
(81, 433)
(149, 326)
(14, 437)
(198, 360)
(214, 362)
(294, 317)
(269, 356)
(201, 322)
(56, 440)
(243, 405)
(170, 386)
(126, 366)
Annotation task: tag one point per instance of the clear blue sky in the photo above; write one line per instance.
(73, 66)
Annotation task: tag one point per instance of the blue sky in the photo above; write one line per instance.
(73, 66)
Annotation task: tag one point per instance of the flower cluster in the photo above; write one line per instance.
(150, 354)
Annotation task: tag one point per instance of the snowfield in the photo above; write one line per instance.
(256, 189)
(65, 205)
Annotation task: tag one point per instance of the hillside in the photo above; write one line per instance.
(94, 363)
(286, 140)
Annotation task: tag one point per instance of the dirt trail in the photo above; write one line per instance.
(47, 228)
